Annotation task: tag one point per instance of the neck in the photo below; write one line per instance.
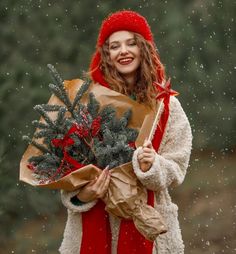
(130, 80)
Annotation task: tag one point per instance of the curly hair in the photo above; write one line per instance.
(150, 70)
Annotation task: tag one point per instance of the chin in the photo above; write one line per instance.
(127, 70)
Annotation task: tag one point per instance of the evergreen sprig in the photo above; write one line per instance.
(37, 145)
(51, 108)
(61, 94)
(80, 93)
(88, 135)
(56, 76)
(43, 113)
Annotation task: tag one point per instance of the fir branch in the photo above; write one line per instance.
(125, 118)
(43, 133)
(107, 113)
(107, 137)
(55, 76)
(77, 117)
(51, 108)
(40, 125)
(80, 93)
(58, 89)
(61, 95)
(36, 159)
(43, 113)
(35, 144)
(68, 122)
(93, 105)
(132, 134)
(60, 116)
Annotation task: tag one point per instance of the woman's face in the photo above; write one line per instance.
(124, 53)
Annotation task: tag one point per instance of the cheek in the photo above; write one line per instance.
(112, 56)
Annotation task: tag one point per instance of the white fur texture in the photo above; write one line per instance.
(66, 200)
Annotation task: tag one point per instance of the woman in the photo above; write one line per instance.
(126, 61)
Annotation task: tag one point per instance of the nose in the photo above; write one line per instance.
(123, 50)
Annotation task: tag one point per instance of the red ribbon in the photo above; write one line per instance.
(63, 143)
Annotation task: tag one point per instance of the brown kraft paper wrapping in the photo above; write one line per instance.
(126, 197)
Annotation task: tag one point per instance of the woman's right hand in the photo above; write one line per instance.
(96, 188)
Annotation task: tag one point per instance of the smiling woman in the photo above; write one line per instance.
(126, 60)
(125, 55)
(131, 78)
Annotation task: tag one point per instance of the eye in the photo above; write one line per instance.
(132, 43)
(114, 46)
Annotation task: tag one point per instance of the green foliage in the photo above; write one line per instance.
(93, 105)
(102, 141)
(79, 95)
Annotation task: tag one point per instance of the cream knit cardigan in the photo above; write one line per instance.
(168, 169)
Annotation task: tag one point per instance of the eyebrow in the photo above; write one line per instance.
(119, 41)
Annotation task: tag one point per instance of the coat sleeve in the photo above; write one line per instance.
(67, 197)
(171, 162)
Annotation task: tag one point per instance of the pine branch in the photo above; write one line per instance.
(40, 125)
(37, 145)
(59, 89)
(43, 113)
(36, 159)
(43, 133)
(107, 113)
(51, 108)
(61, 94)
(80, 93)
(132, 134)
(60, 116)
(125, 118)
(93, 105)
(77, 117)
(107, 137)
(56, 76)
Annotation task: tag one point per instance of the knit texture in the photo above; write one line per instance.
(124, 20)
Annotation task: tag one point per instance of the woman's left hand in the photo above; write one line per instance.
(146, 156)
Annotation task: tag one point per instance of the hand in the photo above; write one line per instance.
(146, 156)
(96, 188)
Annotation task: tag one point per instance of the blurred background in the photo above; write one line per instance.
(196, 42)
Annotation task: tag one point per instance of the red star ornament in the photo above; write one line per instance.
(164, 92)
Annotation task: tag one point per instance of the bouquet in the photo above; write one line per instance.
(81, 131)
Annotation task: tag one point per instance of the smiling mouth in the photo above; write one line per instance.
(125, 61)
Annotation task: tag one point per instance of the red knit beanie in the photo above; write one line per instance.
(124, 20)
(121, 20)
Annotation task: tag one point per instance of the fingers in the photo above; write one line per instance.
(148, 150)
(146, 156)
(101, 178)
(102, 183)
(146, 153)
(147, 144)
(104, 187)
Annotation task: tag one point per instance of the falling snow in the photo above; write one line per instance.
(196, 42)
